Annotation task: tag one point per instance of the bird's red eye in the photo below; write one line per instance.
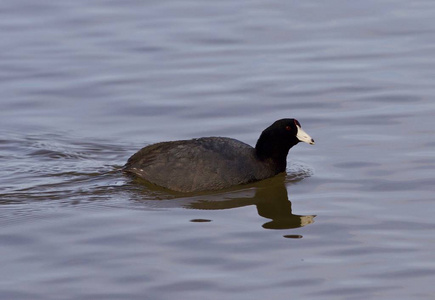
(288, 128)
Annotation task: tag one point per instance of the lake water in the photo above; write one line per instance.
(85, 84)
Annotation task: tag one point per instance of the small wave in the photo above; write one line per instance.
(297, 171)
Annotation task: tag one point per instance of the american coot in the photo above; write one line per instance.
(213, 163)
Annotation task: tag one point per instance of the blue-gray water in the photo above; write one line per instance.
(85, 84)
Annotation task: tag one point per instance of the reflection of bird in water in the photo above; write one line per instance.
(272, 202)
(269, 196)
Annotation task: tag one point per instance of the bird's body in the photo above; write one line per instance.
(213, 163)
(209, 163)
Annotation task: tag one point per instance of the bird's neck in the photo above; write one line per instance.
(272, 153)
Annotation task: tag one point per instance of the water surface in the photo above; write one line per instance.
(86, 84)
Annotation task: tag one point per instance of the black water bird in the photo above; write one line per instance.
(213, 163)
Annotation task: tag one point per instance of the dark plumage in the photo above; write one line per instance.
(213, 163)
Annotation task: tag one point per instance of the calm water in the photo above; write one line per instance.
(84, 84)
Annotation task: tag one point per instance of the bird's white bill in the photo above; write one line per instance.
(304, 137)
